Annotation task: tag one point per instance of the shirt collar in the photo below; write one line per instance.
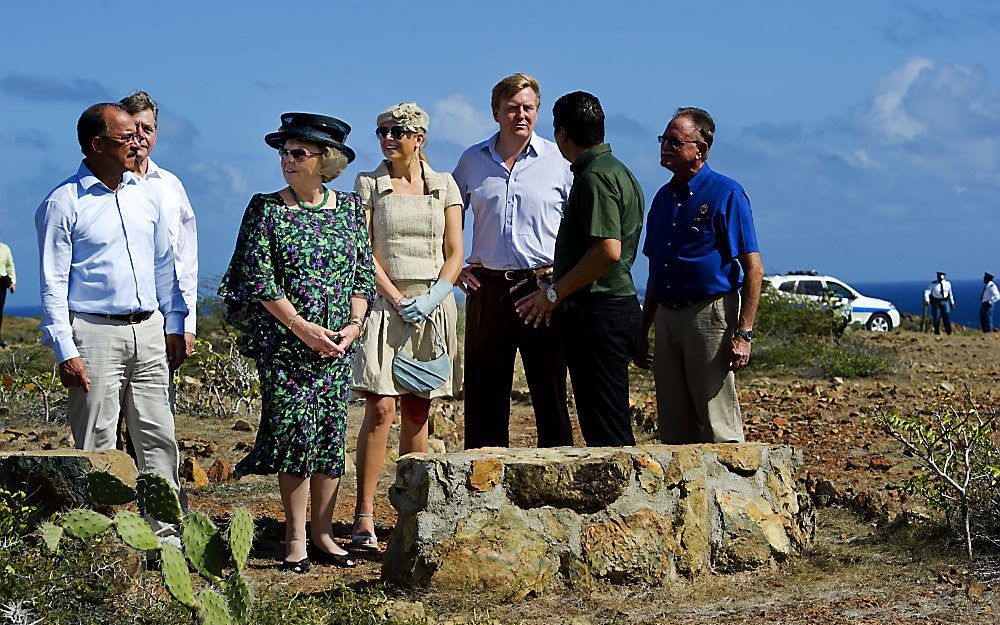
(153, 170)
(532, 148)
(383, 183)
(588, 157)
(88, 179)
(692, 184)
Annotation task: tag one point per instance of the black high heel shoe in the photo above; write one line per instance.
(300, 567)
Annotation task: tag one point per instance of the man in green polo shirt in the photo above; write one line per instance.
(592, 273)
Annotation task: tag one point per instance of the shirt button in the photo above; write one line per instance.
(674, 224)
(669, 244)
(668, 286)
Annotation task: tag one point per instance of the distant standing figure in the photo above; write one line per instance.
(415, 222)
(705, 274)
(991, 295)
(8, 281)
(298, 288)
(941, 299)
(109, 295)
(592, 274)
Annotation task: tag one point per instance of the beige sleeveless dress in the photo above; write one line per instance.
(408, 242)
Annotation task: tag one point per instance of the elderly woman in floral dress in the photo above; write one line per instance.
(298, 287)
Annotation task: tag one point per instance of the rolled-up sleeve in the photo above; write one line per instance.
(54, 226)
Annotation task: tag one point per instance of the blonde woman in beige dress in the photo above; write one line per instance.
(415, 222)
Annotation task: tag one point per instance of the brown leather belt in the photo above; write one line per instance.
(511, 275)
(132, 318)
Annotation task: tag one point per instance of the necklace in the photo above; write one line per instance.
(303, 205)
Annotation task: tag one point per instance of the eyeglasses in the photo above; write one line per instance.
(124, 140)
(296, 154)
(397, 132)
(674, 142)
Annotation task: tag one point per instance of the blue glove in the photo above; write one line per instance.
(419, 308)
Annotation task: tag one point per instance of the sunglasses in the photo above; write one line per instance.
(124, 140)
(673, 142)
(397, 132)
(296, 154)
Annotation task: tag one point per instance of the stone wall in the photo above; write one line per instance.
(519, 520)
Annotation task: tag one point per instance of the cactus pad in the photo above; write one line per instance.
(108, 490)
(135, 532)
(51, 534)
(239, 597)
(241, 537)
(157, 498)
(212, 608)
(84, 524)
(203, 545)
(175, 575)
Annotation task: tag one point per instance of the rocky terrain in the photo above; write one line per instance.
(869, 562)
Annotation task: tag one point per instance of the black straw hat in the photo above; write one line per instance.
(318, 129)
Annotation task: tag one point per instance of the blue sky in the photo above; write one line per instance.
(867, 134)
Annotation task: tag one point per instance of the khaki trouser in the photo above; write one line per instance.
(696, 397)
(127, 367)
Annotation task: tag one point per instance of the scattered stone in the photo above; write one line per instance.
(55, 480)
(242, 425)
(976, 589)
(880, 464)
(435, 445)
(401, 611)
(193, 473)
(948, 386)
(221, 471)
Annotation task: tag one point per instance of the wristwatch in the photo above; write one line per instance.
(551, 294)
(746, 334)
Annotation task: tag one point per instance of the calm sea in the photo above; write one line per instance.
(907, 296)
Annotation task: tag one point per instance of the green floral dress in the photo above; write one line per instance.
(318, 260)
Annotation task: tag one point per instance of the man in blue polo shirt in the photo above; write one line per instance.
(704, 285)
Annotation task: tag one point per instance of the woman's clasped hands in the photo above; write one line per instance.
(324, 341)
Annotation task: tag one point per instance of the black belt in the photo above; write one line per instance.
(678, 304)
(510, 275)
(133, 318)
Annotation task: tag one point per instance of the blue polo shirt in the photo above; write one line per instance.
(694, 232)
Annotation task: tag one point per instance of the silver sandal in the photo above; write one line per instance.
(368, 542)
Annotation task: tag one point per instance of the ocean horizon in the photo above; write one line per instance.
(908, 297)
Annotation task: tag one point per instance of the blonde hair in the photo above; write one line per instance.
(332, 162)
(511, 86)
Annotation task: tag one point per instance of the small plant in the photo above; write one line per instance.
(15, 513)
(221, 379)
(961, 460)
(225, 599)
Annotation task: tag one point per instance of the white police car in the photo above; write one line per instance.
(877, 315)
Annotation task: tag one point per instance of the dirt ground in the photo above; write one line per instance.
(857, 571)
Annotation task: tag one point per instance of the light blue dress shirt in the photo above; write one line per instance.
(516, 214)
(104, 251)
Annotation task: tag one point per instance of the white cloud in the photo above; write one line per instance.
(455, 119)
(888, 98)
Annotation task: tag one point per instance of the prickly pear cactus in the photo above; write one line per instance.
(51, 534)
(157, 498)
(176, 577)
(108, 490)
(84, 524)
(135, 532)
(241, 537)
(238, 597)
(212, 608)
(203, 546)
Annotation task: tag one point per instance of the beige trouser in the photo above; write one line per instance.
(696, 397)
(127, 367)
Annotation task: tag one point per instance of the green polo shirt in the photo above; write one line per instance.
(606, 202)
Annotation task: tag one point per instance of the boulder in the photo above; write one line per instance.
(56, 479)
(193, 473)
(522, 520)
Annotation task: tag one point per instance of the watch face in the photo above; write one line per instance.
(552, 295)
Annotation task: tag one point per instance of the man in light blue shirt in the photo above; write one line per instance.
(108, 291)
(515, 184)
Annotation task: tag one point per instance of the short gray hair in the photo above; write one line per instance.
(332, 162)
(702, 121)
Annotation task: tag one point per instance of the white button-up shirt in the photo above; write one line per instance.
(940, 289)
(516, 214)
(183, 236)
(991, 295)
(104, 251)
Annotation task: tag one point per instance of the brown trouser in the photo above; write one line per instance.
(696, 397)
(493, 335)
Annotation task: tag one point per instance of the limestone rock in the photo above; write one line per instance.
(56, 479)
(751, 533)
(585, 484)
(633, 548)
(650, 473)
(242, 425)
(193, 473)
(485, 474)
(221, 471)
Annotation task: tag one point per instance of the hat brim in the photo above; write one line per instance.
(277, 139)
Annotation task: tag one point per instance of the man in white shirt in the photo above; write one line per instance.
(8, 281)
(516, 185)
(941, 299)
(108, 290)
(990, 296)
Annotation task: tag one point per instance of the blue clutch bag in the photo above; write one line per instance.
(422, 376)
